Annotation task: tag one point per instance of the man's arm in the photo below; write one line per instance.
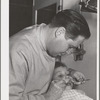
(18, 74)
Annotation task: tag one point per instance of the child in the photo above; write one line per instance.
(63, 73)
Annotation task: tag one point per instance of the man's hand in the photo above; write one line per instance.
(55, 90)
(78, 77)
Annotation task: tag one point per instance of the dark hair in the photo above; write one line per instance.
(74, 23)
(58, 64)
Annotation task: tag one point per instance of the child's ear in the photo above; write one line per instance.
(60, 32)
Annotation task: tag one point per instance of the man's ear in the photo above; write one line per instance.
(60, 32)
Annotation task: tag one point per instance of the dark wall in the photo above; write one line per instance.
(45, 14)
(20, 15)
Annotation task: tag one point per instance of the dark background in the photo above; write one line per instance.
(20, 15)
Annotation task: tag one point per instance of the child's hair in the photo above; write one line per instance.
(58, 64)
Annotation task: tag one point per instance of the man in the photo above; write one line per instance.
(33, 52)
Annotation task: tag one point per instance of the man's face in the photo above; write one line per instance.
(62, 46)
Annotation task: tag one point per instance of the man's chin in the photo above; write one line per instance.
(52, 55)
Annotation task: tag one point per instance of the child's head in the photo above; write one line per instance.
(60, 71)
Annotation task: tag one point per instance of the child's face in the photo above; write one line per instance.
(60, 73)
